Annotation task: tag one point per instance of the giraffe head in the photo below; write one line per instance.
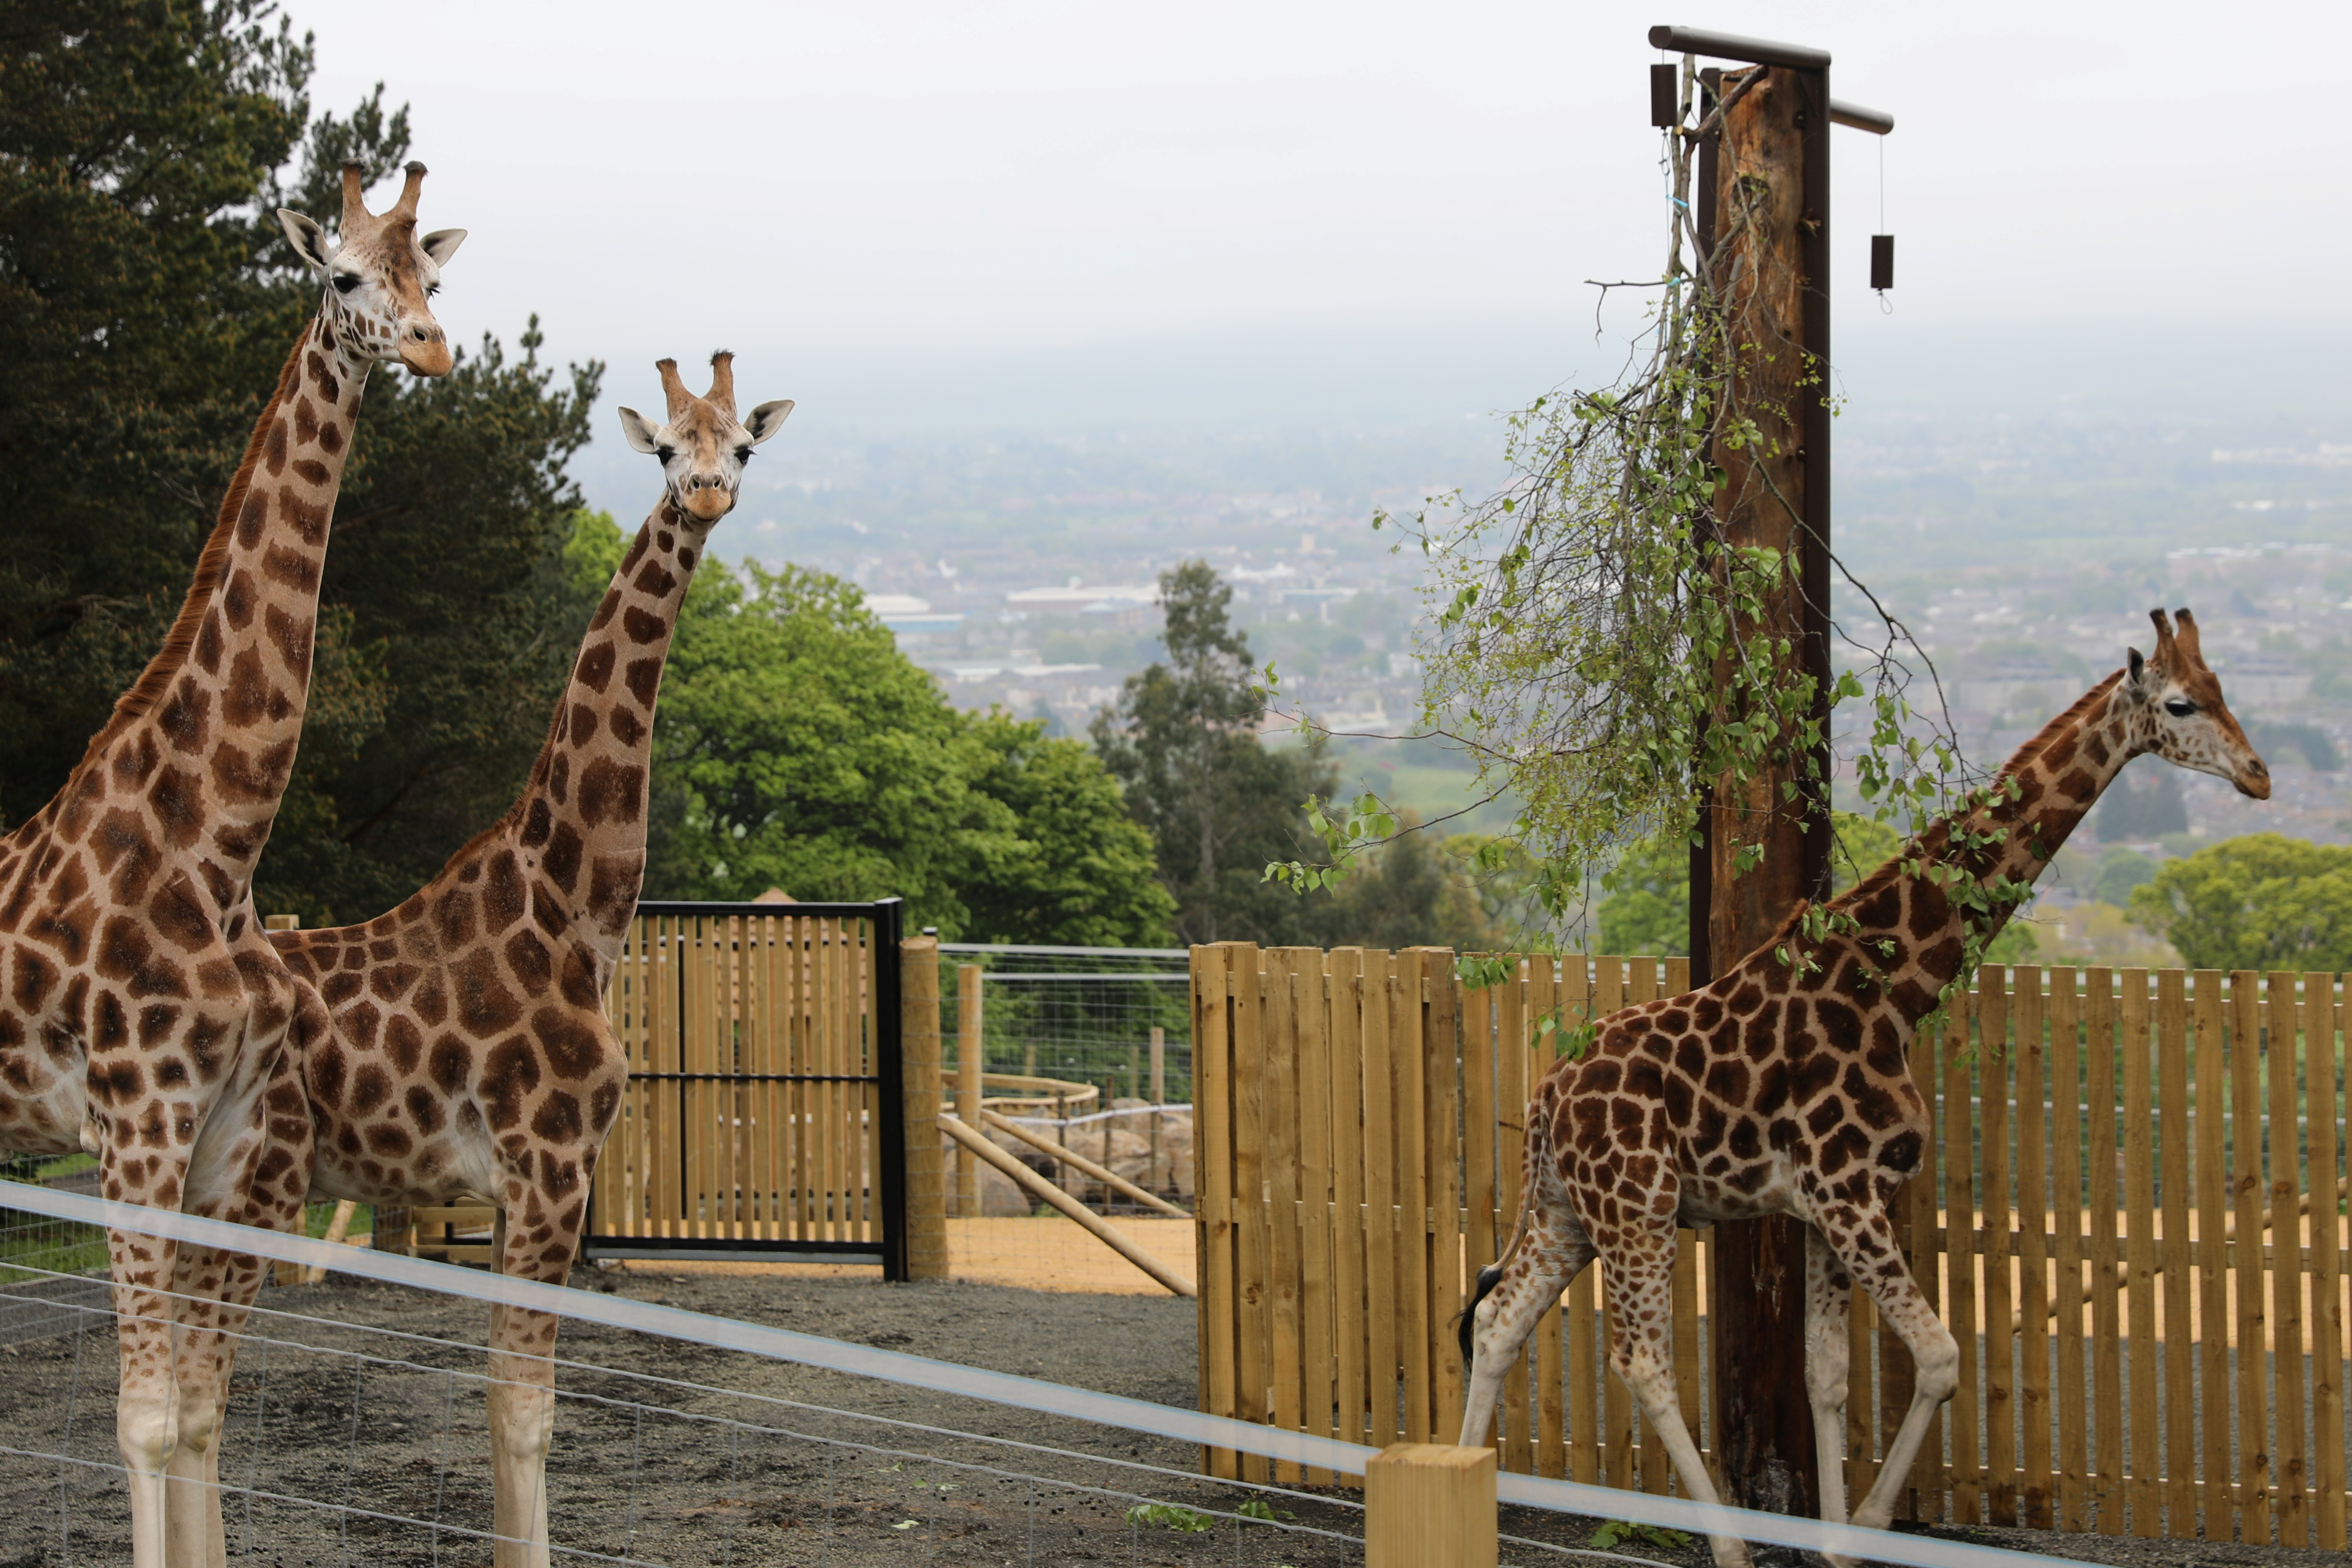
(2178, 713)
(378, 271)
(701, 445)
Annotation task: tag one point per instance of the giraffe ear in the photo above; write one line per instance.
(308, 238)
(442, 244)
(2139, 675)
(767, 420)
(641, 432)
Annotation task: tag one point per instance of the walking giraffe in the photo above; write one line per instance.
(458, 1044)
(1783, 1088)
(143, 1016)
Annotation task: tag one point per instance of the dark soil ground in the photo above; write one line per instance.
(345, 1445)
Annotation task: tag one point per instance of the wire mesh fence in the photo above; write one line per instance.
(356, 1432)
(1085, 1059)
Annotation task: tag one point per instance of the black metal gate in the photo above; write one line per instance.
(762, 1118)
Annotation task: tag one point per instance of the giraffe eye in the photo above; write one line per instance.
(665, 453)
(346, 281)
(431, 290)
(743, 454)
(2180, 707)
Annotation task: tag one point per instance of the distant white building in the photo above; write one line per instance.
(905, 614)
(1104, 598)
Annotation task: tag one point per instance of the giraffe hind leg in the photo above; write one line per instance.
(1828, 1305)
(1640, 1276)
(1511, 1299)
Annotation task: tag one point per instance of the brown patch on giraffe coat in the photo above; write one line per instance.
(528, 957)
(509, 1075)
(578, 984)
(451, 1063)
(627, 728)
(403, 1042)
(291, 569)
(642, 678)
(606, 610)
(610, 789)
(454, 917)
(505, 896)
(485, 1005)
(561, 861)
(654, 580)
(583, 724)
(595, 669)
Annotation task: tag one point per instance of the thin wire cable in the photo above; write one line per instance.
(353, 1509)
(779, 1400)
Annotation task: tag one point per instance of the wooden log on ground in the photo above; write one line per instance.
(1079, 1161)
(1039, 1187)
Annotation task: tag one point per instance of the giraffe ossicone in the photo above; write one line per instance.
(1783, 1088)
(458, 1044)
(142, 1015)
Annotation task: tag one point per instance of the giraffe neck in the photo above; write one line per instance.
(2058, 776)
(584, 814)
(208, 731)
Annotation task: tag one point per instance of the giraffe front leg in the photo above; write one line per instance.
(537, 1236)
(1868, 1251)
(1640, 1350)
(1828, 1303)
(146, 1408)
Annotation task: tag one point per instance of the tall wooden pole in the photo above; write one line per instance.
(1765, 180)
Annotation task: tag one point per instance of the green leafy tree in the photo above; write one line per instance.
(2120, 871)
(145, 306)
(796, 747)
(2264, 901)
(1414, 891)
(1219, 803)
(147, 299)
(1080, 872)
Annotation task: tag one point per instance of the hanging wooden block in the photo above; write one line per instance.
(1665, 94)
(1882, 261)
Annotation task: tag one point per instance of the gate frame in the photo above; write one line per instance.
(888, 918)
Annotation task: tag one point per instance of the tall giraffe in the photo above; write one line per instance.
(1784, 1089)
(458, 1044)
(143, 1016)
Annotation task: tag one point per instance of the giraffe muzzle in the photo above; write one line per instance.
(425, 351)
(2254, 780)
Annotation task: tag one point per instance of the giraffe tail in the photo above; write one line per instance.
(1467, 1325)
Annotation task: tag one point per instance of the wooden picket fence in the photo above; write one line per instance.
(2137, 1356)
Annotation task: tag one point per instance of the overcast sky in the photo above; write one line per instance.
(898, 184)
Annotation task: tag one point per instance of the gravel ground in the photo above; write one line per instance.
(333, 1418)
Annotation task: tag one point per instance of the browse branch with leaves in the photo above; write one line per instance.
(1599, 640)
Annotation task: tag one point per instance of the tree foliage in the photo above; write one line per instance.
(1219, 803)
(2264, 901)
(796, 747)
(147, 299)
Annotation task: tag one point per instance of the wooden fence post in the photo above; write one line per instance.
(1430, 1506)
(926, 1226)
(970, 1050)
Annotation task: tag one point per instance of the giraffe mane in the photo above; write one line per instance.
(156, 679)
